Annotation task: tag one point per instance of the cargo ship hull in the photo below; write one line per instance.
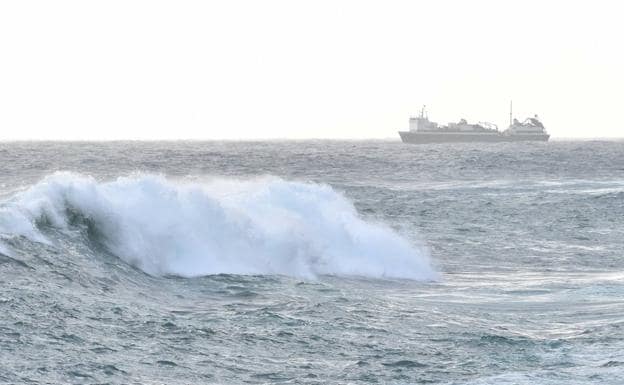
(420, 137)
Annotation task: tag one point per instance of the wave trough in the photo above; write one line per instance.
(262, 226)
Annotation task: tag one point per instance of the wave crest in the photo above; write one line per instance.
(264, 226)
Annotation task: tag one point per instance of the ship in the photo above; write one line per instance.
(422, 130)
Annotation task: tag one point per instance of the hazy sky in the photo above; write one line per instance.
(304, 69)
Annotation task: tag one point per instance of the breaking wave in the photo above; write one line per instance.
(263, 226)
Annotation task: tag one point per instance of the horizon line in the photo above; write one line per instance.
(268, 139)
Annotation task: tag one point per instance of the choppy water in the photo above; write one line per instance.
(312, 262)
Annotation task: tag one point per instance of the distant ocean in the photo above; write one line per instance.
(312, 262)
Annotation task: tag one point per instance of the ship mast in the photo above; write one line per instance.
(510, 112)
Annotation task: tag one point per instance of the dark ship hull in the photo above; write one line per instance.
(421, 137)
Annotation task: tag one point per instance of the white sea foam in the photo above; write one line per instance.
(4, 250)
(263, 226)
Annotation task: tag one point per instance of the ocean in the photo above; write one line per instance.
(311, 262)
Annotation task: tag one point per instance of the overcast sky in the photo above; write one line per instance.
(304, 69)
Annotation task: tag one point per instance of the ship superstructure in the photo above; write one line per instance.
(530, 129)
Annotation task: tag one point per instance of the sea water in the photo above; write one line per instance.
(312, 262)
